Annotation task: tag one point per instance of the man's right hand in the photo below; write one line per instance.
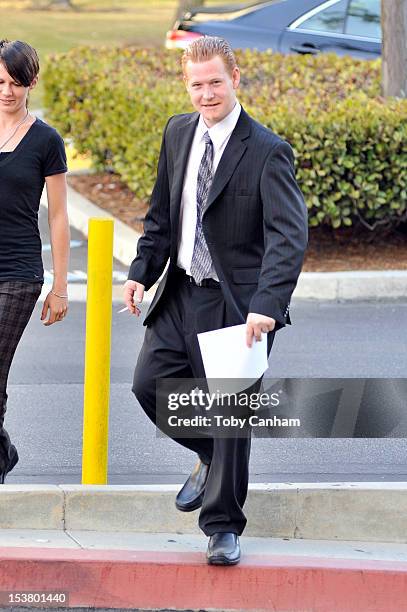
(133, 294)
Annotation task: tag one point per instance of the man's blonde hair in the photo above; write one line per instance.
(207, 47)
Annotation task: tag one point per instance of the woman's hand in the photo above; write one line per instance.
(55, 307)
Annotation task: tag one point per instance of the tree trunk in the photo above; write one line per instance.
(394, 58)
(67, 4)
(184, 5)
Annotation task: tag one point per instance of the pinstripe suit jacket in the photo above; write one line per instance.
(255, 220)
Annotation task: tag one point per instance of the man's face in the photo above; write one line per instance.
(212, 88)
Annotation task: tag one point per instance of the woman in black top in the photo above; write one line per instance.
(31, 154)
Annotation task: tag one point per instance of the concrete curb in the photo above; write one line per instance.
(356, 285)
(352, 285)
(119, 570)
(124, 579)
(359, 511)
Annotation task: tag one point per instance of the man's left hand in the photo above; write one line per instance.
(255, 325)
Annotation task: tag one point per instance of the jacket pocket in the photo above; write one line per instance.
(245, 276)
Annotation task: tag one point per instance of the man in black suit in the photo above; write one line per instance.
(227, 214)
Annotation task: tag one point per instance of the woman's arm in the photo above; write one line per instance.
(60, 237)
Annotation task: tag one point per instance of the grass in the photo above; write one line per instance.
(58, 31)
(55, 31)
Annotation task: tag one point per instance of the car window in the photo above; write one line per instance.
(364, 18)
(329, 19)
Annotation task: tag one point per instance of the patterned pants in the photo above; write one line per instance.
(17, 301)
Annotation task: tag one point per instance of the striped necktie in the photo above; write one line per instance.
(201, 264)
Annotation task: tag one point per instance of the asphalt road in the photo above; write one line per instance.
(360, 339)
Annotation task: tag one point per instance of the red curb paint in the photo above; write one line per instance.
(129, 579)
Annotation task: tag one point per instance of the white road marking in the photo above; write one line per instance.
(80, 276)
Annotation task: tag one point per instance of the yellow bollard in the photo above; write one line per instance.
(97, 352)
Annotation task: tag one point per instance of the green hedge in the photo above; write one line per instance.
(350, 144)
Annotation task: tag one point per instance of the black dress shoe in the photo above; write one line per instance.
(223, 549)
(191, 495)
(11, 462)
(8, 452)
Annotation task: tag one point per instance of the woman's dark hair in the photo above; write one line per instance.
(20, 60)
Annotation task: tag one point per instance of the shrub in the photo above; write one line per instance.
(350, 144)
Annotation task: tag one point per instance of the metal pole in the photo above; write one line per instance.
(97, 352)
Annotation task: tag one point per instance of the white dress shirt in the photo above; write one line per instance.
(219, 134)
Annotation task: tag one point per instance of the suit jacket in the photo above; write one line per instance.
(255, 220)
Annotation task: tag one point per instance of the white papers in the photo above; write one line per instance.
(225, 355)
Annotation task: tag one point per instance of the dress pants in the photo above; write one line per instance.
(17, 301)
(171, 350)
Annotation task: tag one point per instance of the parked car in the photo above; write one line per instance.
(345, 27)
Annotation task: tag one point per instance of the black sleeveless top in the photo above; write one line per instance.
(40, 153)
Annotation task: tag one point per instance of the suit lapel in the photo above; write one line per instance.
(181, 148)
(231, 156)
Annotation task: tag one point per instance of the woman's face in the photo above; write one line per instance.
(13, 96)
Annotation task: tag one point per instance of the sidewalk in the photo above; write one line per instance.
(127, 570)
(127, 547)
(311, 285)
